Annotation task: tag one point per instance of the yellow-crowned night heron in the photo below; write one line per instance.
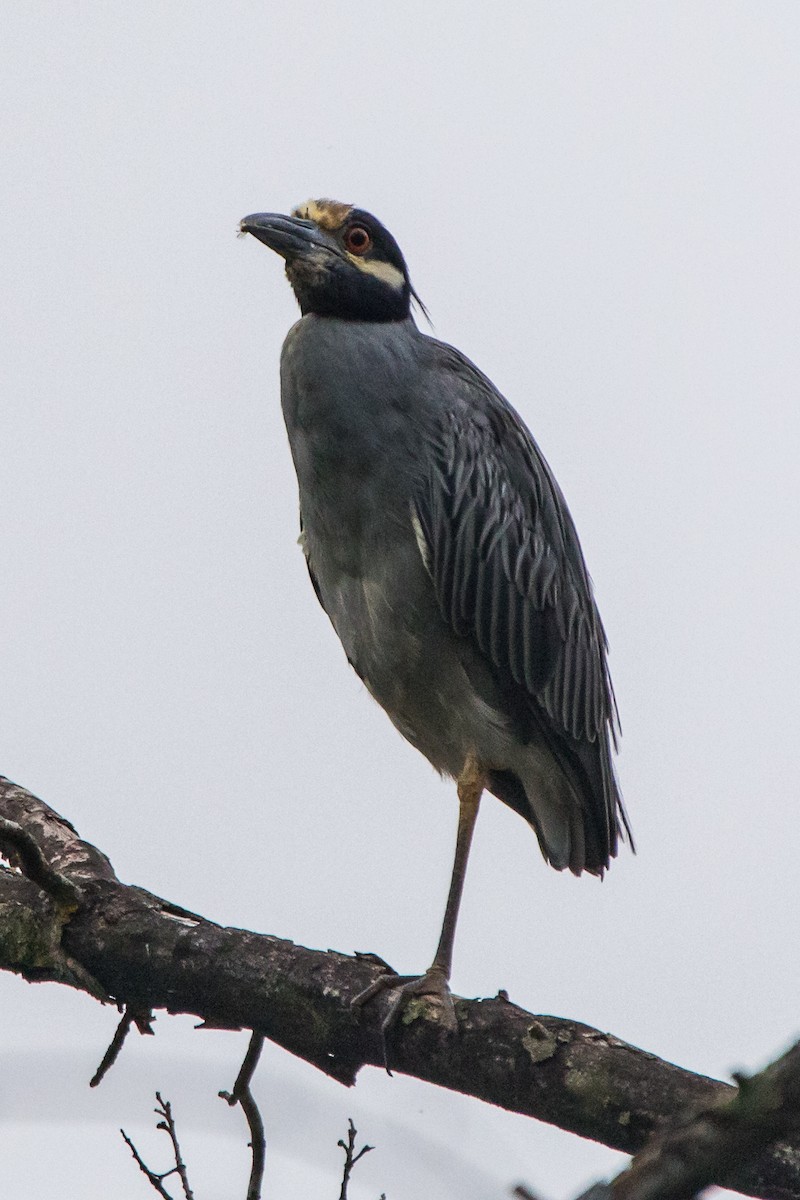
(441, 548)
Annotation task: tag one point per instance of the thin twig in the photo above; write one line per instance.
(243, 1096)
(168, 1124)
(112, 1053)
(350, 1159)
(142, 1018)
(36, 867)
(156, 1180)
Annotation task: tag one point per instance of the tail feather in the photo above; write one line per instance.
(574, 832)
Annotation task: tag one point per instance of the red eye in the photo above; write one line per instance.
(357, 239)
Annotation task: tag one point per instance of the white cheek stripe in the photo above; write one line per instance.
(384, 271)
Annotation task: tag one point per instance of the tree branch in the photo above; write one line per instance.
(147, 954)
(25, 850)
(716, 1144)
(243, 1096)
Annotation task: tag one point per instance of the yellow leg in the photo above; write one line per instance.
(435, 981)
(471, 783)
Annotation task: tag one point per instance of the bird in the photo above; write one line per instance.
(440, 546)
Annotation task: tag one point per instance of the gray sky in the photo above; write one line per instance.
(599, 206)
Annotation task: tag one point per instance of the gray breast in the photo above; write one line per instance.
(353, 411)
(357, 435)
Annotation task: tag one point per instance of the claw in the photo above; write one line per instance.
(433, 984)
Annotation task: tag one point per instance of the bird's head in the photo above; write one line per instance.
(340, 260)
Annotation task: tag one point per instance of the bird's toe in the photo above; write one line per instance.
(432, 987)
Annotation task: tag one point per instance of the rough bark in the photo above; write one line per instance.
(124, 944)
(717, 1143)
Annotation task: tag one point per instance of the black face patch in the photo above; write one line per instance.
(384, 246)
(371, 285)
(334, 287)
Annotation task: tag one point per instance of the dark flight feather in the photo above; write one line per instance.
(509, 573)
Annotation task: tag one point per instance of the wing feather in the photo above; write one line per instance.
(506, 563)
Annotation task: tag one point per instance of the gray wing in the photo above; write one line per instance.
(509, 574)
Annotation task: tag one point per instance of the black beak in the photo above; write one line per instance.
(290, 237)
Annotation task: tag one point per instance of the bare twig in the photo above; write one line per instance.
(243, 1096)
(142, 1019)
(350, 1159)
(111, 1054)
(167, 1123)
(154, 1179)
(35, 866)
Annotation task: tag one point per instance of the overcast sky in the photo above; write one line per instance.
(599, 205)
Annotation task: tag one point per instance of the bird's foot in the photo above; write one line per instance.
(432, 985)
